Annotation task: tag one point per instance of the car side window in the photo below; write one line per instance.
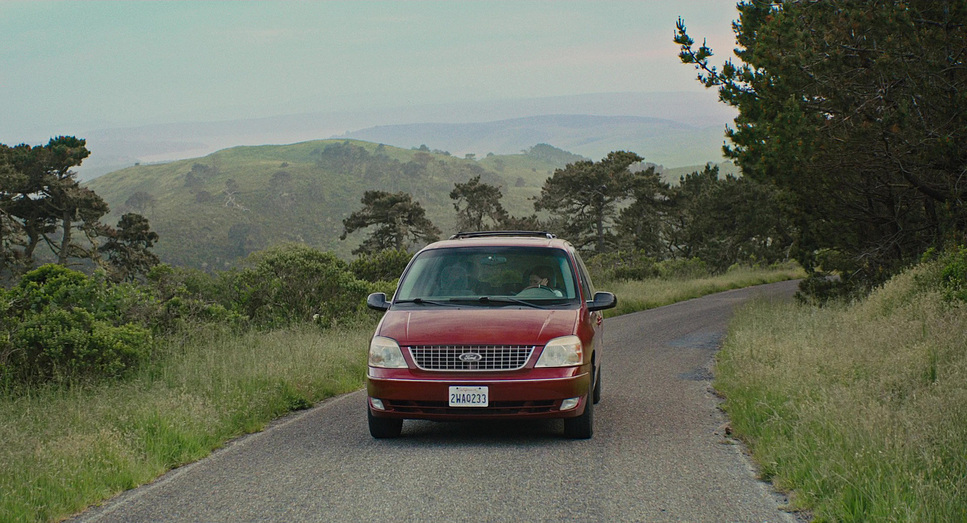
(587, 289)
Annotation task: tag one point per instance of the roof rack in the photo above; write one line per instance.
(484, 234)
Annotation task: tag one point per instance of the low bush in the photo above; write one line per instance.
(384, 266)
(622, 265)
(953, 274)
(61, 325)
(294, 283)
(686, 269)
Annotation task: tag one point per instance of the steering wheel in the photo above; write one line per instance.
(539, 291)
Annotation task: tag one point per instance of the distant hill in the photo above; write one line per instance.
(699, 141)
(213, 210)
(660, 141)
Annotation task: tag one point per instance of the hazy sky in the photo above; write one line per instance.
(70, 67)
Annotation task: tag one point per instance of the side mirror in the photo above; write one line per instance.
(602, 300)
(377, 301)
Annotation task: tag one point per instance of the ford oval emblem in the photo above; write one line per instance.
(470, 357)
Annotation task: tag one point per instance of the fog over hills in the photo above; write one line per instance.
(672, 129)
(660, 141)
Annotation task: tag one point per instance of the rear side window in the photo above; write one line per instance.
(492, 271)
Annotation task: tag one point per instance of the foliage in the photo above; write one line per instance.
(127, 248)
(399, 222)
(684, 269)
(729, 220)
(293, 283)
(383, 266)
(584, 197)
(61, 325)
(42, 203)
(953, 274)
(475, 201)
(622, 265)
(40, 196)
(855, 112)
(649, 222)
(551, 154)
(190, 297)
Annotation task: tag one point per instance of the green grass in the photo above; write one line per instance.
(861, 410)
(637, 295)
(65, 448)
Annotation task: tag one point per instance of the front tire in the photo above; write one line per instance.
(382, 428)
(581, 427)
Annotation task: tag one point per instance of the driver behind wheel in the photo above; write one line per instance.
(539, 277)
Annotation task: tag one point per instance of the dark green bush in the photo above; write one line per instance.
(622, 265)
(294, 283)
(953, 275)
(190, 296)
(691, 268)
(820, 288)
(384, 266)
(58, 344)
(59, 324)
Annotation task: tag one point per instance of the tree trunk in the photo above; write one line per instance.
(65, 240)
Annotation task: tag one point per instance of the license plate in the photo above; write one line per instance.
(469, 396)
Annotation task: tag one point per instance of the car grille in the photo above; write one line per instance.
(471, 358)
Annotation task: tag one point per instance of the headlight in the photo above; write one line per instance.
(565, 351)
(386, 353)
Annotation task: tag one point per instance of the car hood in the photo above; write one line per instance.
(478, 326)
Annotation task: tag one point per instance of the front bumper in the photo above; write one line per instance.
(531, 393)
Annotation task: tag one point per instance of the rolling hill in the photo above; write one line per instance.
(660, 141)
(213, 210)
(691, 128)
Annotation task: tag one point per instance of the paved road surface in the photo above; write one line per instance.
(658, 453)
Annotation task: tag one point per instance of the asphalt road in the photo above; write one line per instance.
(658, 453)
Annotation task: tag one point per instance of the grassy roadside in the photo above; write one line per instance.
(638, 295)
(860, 410)
(66, 448)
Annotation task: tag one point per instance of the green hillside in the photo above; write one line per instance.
(211, 211)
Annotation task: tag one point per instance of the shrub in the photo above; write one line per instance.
(386, 265)
(692, 268)
(59, 324)
(58, 344)
(191, 296)
(294, 283)
(953, 274)
(622, 265)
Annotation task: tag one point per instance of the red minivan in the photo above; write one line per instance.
(489, 325)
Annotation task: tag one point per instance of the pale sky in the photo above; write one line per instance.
(73, 66)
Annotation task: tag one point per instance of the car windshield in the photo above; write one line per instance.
(490, 276)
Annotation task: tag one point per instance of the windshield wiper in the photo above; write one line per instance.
(500, 300)
(421, 301)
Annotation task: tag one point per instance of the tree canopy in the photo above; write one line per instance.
(584, 197)
(43, 203)
(399, 222)
(856, 112)
(476, 203)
